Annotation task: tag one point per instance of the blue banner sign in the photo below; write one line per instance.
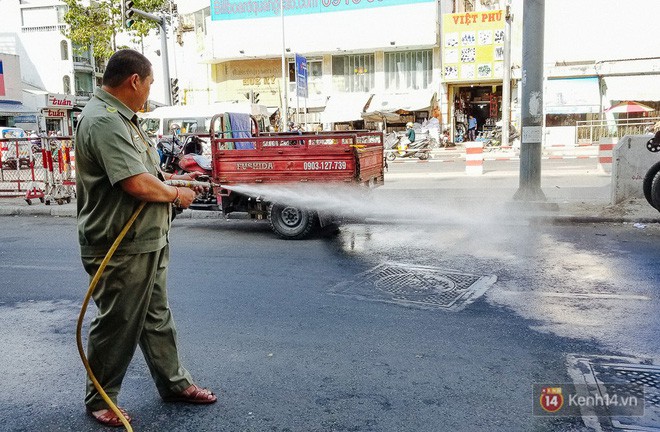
(25, 119)
(301, 76)
(247, 9)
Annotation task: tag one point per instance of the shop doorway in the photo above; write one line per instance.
(54, 126)
(483, 102)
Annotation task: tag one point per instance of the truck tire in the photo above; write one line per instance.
(647, 184)
(291, 223)
(655, 191)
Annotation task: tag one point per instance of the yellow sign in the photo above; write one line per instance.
(473, 46)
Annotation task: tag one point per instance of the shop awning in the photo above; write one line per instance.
(381, 116)
(13, 108)
(572, 96)
(634, 88)
(412, 101)
(345, 107)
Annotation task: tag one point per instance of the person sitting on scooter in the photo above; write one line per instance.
(410, 132)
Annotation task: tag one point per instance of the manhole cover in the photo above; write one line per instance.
(416, 286)
(597, 372)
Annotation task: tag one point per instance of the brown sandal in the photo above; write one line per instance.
(109, 418)
(193, 395)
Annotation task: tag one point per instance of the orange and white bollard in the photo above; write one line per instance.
(474, 158)
(605, 152)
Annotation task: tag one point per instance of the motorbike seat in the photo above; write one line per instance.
(203, 161)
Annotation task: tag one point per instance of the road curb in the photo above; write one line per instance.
(35, 211)
(565, 220)
(71, 212)
(200, 214)
(561, 219)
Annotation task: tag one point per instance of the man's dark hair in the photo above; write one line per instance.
(123, 64)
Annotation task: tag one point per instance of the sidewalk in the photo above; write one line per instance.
(451, 154)
(571, 197)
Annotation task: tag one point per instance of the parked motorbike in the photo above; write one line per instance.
(191, 159)
(445, 139)
(493, 138)
(651, 183)
(169, 150)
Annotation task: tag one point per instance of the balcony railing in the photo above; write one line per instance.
(591, 131)
(49, 28)
(83, 60)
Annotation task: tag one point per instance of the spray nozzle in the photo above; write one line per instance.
(190, 184)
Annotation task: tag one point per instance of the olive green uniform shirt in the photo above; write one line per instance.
(110, 147)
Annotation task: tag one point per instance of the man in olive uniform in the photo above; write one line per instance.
(117, 167)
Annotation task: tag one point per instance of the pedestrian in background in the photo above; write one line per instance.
(117, 167)
(472, 128)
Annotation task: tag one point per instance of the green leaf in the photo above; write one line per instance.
(97, 24)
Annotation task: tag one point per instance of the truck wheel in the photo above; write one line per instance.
(655, 191)
(647, 184)
(291, 223)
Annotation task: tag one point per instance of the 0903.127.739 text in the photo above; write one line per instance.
(324, 165)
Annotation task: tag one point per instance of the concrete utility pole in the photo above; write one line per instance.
(163, 49)
(532, 102)
(285, 79)
(506, 82)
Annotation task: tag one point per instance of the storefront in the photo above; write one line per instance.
(483, 102)
(473, 65)
(14, 113)
(638, 88)
(568, 100)
(391, 112)
(58, 114)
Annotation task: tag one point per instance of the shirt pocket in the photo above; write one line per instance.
(148, 153)
(138, 142)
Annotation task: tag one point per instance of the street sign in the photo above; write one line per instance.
(301, 76)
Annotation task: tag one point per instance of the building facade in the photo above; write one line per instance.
(56, 78)
(417, 58)
(355, 52)
(436, 58)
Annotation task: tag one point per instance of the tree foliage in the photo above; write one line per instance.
(97, 23)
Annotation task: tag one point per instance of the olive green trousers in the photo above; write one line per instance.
(131, 298)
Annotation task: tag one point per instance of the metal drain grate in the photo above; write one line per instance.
(418, 286)
(647, 376)
(600, 371)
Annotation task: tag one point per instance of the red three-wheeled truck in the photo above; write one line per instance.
(242, 161)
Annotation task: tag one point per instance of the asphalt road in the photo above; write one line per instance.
(297, 336)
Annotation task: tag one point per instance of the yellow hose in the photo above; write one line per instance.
(90, 291)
